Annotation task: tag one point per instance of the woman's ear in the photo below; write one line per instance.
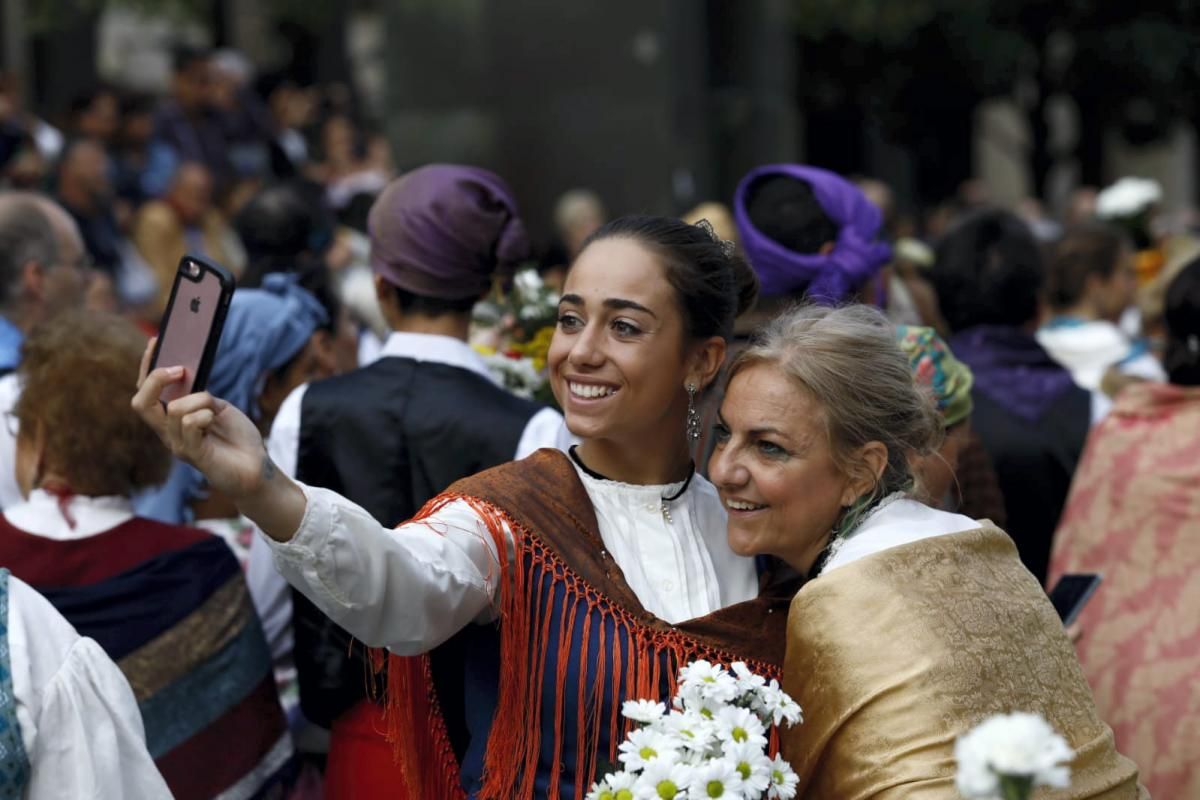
(872, 460)
(706, 361)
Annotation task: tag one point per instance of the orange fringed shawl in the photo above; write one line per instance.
(557, 543)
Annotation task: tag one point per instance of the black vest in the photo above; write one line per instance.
(1034, 463)
(389, 437)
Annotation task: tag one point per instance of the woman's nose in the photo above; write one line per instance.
(587, 349)
(725, 469)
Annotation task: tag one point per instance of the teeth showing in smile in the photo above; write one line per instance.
(738, 505)
(589, 390)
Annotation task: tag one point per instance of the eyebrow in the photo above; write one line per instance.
(756, 432)
(615, 303)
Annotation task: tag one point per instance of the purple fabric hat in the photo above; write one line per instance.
(442, 230)
(856, 256)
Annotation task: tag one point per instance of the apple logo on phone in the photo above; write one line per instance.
(195, 305)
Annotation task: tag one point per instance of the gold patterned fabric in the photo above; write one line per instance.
(894, 656)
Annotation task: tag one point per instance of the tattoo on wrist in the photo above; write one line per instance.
(268, 469)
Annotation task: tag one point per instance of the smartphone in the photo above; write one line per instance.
(191, 326)
(1071, 594)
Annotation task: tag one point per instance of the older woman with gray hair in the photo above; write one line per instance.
(915, 624)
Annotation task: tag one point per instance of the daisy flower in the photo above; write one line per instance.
(783, 780)
(643, 711)
(740, 725)
(708, 681)
(752, 766)
(643, 747)
(716, 778)
(663, 780)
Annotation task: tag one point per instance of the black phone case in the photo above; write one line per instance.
(228, 285)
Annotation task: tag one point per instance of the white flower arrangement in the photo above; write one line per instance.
(518, 374)
(1008, 755)
(711, 742)
(1128, 197)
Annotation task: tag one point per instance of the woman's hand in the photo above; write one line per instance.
(208, 433)
(220, 441)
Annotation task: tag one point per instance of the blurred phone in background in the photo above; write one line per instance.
(1071, 594)
(191, 326)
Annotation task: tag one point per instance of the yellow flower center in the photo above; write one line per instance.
(648, 753)
(744, 770)
(666, 789)
(740, 735)
(715, 789)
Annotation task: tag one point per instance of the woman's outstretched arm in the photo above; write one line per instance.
(408, 589)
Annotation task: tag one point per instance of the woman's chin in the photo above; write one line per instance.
(743, 544)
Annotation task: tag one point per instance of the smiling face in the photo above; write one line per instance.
(774, 469)
(619, 361)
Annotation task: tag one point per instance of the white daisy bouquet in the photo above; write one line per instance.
(1007, 756)
(711, 743)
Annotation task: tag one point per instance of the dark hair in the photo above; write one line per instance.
(136, 103)
(988, 271)
(1089, 249)
(83, 101)
(713, 283)
(785, 210)
(431, 306)
(26, 235)
(1181, 315)
(184, 57)
(280, 223)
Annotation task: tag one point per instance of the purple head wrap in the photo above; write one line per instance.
(442, 230)
(856, 255)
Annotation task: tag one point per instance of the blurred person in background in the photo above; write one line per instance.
(958, 477)
(808, 233)
(43, 268)
(96, 114)
(1132, 516)
(131, 154)
(187, 128)
(578, 214)
(345, 169)
(292, 111)
(184, 221)
(1090, 283)
(61, 691)
(244, 117)
(168, 604)
(287, 228)
(85, 190)
(1132, 204)
(1031, 416)
(718, 216)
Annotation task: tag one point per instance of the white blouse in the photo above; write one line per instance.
(79, 720)
(898, 522)
(411, 589)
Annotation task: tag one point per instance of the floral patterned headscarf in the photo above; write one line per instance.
(936, 368)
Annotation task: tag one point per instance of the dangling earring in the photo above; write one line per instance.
(693, 416)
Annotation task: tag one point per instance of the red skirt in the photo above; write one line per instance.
(362, 763)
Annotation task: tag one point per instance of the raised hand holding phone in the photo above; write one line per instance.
(223, 443)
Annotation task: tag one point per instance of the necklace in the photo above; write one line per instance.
(666, 500)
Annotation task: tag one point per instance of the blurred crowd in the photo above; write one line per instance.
(147, 178)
